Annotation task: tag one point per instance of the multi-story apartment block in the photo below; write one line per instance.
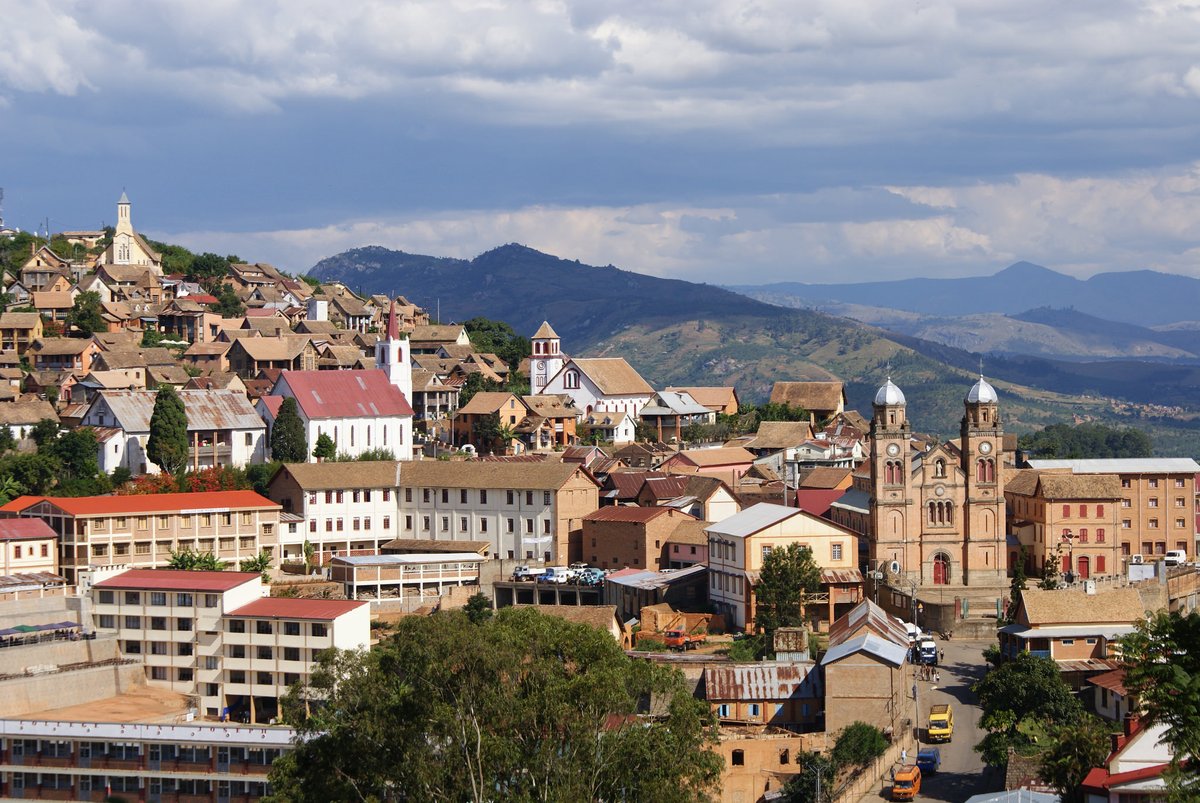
(141, 530)
(1158, 500)
(215, 635)
(339, 508)
(50, 760)
(526, 510)
(1065, 518)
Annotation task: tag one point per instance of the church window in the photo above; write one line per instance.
(571, 380)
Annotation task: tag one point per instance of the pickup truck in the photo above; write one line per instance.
(929, 759)
(941, 723)
(523, 574)
(681, 640)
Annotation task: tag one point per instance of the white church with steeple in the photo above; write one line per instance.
(392, 356)
(547, 358)
(128, 247)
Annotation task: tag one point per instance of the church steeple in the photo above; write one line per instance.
(547, 359)
(392, 355)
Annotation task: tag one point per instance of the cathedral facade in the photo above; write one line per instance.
(937, 515)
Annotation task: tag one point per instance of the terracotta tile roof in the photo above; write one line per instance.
(545, 331)
(436, 333)
(823, 477)
(354, 474)
(201, 502)
(809, 395)
(542, 476)
(628, 513)
(1071, 607)
(175, 580)
(362, 393)
(61, 345)
(265, 349)
(19, 320)
(1080, 486)
(710, 397)
(552, 405)
(724, 456)
(780, 435)
(23, 528)
(285, 608)
(1114, 681)
(601, 617)
(488, 402)
(690, 531)
(1022, 482)
(613, 376)
(26, 412)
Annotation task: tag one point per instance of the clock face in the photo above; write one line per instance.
(940, 490)
(985, 447)
(893, 449)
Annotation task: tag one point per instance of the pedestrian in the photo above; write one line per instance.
(941, 656)
(937, 677)
(904, 755)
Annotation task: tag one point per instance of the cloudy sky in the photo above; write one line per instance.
(704, 139)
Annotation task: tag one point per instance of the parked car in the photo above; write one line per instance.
(555, 574)
(906, 784)
(929, 759)
(1175, 557)
(592, 577)
(927, 652)
(523, 574)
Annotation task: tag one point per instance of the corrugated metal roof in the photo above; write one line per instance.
(648, 580)
(753, 520)
(1128, 465)
(854, 499)
(205, 409)
(764, 680)
(871, 644)
(418, 557)
(285, 608)
(363, 393)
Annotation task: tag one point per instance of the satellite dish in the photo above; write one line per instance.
(894, 567)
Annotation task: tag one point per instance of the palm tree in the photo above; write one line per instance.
(188, 560)
(10, 489)
(259, 563)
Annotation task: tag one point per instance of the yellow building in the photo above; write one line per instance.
(738, 546)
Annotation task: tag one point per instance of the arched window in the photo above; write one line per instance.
(939, 468)
(571, 380)
(981, 470)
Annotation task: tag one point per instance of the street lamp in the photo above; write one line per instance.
(1069, 537)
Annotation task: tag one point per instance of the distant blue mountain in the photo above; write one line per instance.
(1143, 297)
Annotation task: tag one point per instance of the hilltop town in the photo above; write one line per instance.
(212, 477)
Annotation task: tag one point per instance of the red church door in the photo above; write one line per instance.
(1085, 567)
(941, 570)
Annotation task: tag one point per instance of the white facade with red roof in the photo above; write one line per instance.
(360, 410)
(26, 546)
(221, 637)
(1134, 769)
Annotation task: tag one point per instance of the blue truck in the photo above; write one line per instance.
(929, 759)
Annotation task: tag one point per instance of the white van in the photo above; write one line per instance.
(1176, 557)
(555, 574)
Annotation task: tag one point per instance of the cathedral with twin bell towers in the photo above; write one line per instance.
(937, 516)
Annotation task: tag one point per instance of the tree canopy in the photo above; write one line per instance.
(168, 443)
(1162, 668)
(289, 443)
(85, 314)
(497, 337)
(1066, 441)
(789, 574)
(325, 449)
(1020, 699)
(517, 706)
(228, 304)
(189, 561)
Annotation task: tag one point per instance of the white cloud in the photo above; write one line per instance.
(1080, 226)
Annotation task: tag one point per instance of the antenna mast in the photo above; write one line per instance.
(1, 207)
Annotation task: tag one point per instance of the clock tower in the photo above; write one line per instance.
(547, 358)
(895, 527)
(982, 444)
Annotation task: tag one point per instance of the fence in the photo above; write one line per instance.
(854, 788)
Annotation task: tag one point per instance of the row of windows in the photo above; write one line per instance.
(17, 550)
(356, 523)
(1158, 547)
(1082, 537)
(1180, 482)
(264, 627)
(510, 497)
(264, 652)
(363, 495)
(383, 429)
(143, 522)
(721, 550)
(1152, 524)
(183, 599)
(203, 545)
(1082, 510)
(464, 523)
(720, 581)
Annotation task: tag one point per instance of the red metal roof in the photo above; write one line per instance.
(291, 608)
(365, 393)
(817, 501)
(200, 502)
(177, 580)
(21, 529)
(20, 503)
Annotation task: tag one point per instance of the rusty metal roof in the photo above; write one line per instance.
(205, 409)
(841, 576)
(765, 680)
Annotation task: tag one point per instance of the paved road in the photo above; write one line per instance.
(963, 773)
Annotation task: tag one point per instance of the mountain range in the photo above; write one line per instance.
(678, 332)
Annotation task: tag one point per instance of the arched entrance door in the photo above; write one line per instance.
(941, 569)
(1085, 567)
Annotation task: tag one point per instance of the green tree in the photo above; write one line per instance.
(493, 435)
(45, 432)
(789, 574)
(477, 383)
(228, 304)
(325, 449)
(10, 489)
(259, 476)
(8, 441)
(308, 551)
(187, 560)
(497, 337)
(1017, 586)
(1067, 441)
(814, 783)
(1162, 669)
(260, 563)
(478, 608)
(858, 744)
(208, 269)
(1075, 747)
(289, 443)
(35, 473)
(168, 443)
(85, 315)
(519, 707)
(1019, 700)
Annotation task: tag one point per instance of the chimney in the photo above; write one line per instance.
(1130, 724)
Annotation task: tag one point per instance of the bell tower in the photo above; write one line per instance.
(392, 356)
(893, 518)
(982, 447)
(547, 358)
